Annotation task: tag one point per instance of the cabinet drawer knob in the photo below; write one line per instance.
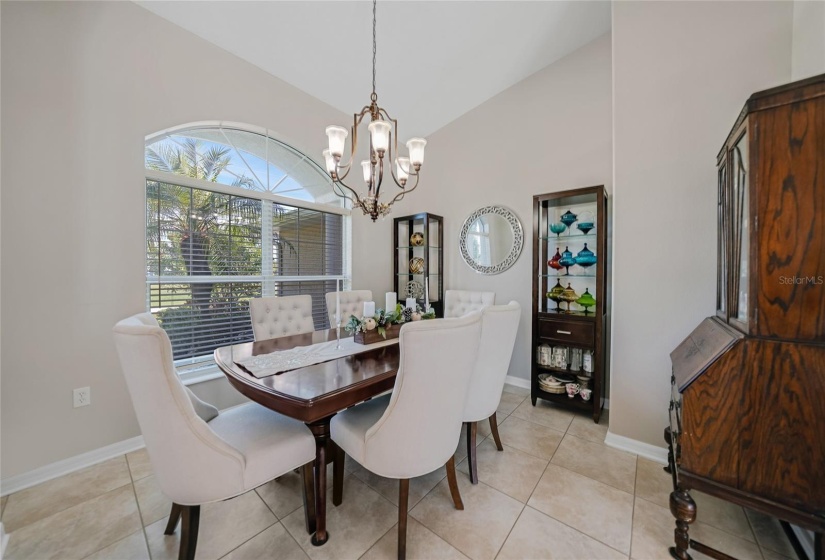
(563, 332)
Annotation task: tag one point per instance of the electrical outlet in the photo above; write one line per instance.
(82, 397)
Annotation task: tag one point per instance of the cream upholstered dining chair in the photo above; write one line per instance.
(499, 324)
(415, 430)
(273, 317)
(195, 461)
(460, 302)
(352, 303)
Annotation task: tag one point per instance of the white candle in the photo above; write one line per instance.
(392, 301)
(369, 308)
(427, 294)
(411, 303)
(338, 301)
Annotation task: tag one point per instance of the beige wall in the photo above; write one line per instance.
(682, 72)
(549, 132)
(808, 38)
(83, 84)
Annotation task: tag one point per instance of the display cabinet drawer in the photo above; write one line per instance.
(572, 332)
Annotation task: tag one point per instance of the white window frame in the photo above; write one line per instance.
(203, 368)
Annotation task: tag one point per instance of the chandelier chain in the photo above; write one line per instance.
(374, 96)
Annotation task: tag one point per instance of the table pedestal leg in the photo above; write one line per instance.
(320, 430)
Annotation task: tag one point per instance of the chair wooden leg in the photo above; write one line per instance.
(174, 517)
(338, 475)
(308, 492)
(471, 451)
(453, 482)
(494, 428)
(189, 532)
(403, 500)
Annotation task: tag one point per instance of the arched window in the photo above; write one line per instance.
(233, 214)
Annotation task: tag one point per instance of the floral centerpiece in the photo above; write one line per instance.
(387, 325)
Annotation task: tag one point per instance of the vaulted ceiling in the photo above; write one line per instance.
(436, 59)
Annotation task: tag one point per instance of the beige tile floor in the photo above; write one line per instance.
(555, 492)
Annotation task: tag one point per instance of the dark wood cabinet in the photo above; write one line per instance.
(748, 407)
(418, 259)
(570, 325)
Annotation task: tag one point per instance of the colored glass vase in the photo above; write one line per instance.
(557, 228)
(586, 300)
(586, 257)
(554, 261)
(555, 294)
(567, 259)
(568, 218)
(569, 295)
(586, 222)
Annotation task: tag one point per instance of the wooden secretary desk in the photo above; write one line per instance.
(748, 406)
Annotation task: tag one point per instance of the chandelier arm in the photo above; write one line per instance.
(400, 195)
(357, 199)
(340, 192)
(356, 121)
(380, 178)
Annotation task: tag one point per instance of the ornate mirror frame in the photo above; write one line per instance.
(515, 251)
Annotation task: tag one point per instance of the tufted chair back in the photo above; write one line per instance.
(352, 303)
(421, 425)
(458, 303)
(273, 317)
(499, 324)
(193, 465)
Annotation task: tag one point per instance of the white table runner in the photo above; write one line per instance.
(280, 361)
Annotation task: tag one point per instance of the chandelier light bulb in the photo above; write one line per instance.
(329, 161)
(402, 169)
(416, 148)
(380, 136)
(366, 166)
(337, 136)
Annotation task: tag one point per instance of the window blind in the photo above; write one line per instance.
(209, 253)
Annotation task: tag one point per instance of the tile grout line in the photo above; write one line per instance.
(527, 504)
(137, 503)
(510, 532)
(590, 477)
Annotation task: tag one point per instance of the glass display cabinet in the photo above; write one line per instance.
(418, 269)
(570, 298)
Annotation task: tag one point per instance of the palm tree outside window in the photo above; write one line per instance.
(233, 214)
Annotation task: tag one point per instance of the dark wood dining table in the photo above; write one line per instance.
(313, 395)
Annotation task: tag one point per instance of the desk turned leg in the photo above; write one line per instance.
(320, 430)
(683, 509)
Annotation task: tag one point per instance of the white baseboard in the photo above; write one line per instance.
(525, 384)
(66, 466)
(517, 381)
(640, 448)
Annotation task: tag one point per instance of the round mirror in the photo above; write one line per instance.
(491, 240)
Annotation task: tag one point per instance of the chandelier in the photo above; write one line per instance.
(383, 153)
